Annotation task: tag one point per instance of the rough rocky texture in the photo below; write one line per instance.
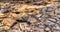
(30, 16)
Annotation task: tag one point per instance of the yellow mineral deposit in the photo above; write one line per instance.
(2, 15)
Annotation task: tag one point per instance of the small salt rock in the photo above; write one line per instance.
(58, 16)
(28, 28)
(2, 6)
(38, 15)
(50, 8)
(2, 9)
(23, 26)
(58, 27)
(32, 20)
(58, 22)
(47, 29)
(52, 19)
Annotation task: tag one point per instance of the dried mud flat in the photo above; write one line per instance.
(30, 16)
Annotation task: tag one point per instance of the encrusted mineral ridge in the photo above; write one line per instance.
(29, 15)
